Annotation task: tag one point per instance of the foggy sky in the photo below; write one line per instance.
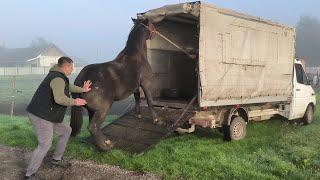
(97, 30)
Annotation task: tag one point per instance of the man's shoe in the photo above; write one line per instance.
(32, 177)
(61, 163)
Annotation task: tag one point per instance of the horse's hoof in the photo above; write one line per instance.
(158, 122)
(104, 149)
(108, 142)
(106, 146)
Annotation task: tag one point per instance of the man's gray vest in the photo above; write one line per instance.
(43, 104)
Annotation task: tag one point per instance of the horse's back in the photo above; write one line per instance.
(86, 73)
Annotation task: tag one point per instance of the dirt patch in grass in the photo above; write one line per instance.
(15, 160)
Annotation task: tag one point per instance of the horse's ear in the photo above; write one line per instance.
(134, 20)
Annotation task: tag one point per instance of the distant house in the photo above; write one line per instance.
(35, 56)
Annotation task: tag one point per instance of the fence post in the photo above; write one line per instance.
(318, 78)
(13, 85)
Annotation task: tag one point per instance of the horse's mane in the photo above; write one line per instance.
(136, 40)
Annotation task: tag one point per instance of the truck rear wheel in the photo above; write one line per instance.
(308, 116)
(237, 129)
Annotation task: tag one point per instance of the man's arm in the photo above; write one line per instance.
(57, 85)
(75, 89)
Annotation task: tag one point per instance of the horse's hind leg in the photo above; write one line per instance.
(95, 129)
(90, 114)
(137, 100)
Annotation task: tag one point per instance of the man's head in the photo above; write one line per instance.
(66, 65)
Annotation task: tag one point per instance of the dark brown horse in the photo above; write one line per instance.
(116, 80)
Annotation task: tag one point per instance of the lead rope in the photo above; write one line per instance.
(192, 56)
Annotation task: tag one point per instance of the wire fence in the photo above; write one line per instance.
(16, 92)
(19, 71)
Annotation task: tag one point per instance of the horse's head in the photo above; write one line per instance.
(147, 26)
(141, 31)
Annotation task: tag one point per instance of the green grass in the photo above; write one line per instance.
(274, 149)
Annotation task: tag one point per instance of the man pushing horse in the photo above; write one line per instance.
(47, 109)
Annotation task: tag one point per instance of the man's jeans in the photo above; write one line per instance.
(44, 131)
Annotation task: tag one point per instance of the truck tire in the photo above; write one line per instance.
(308, 115)
(236, 130)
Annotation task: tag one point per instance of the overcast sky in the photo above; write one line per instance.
(97, 30)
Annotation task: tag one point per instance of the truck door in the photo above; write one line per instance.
(302, 92)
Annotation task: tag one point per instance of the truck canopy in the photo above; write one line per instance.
(242, 59)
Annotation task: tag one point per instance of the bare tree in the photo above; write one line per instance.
(308, 40)
(38, 42)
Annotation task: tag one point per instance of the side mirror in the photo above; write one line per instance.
(309, 82)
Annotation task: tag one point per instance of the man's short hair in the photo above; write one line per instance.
(63, 60)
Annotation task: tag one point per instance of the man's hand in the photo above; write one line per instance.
(86, 86)
(80, 102)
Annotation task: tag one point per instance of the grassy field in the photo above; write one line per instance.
(25, 85)
(274, 149)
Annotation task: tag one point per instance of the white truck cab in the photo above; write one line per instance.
(304, 97)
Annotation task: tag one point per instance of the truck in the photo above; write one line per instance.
(216, 68)
(245, 68)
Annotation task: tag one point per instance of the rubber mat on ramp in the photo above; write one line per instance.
(136, 135)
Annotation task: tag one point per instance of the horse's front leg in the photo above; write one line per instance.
(95, 129)
(137, 100)
(146, 89)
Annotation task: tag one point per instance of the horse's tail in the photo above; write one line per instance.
(76, 117)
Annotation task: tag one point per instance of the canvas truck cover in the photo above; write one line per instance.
(242, 59)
